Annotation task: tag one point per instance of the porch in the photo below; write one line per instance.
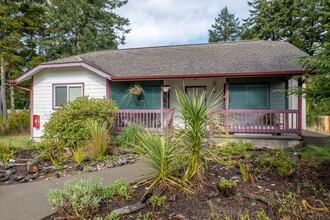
(228, 120)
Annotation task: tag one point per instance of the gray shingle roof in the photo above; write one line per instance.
(211, 58)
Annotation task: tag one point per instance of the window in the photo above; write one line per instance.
(66, 93)
(249, 96)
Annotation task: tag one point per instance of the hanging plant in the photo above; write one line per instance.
(135, 90)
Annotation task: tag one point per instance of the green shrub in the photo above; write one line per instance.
(99, 138)
(18, 122)
(128, 137)
(68, 124)
(79, 198)
(79, 153)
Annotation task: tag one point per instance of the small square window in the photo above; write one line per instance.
(65, 93)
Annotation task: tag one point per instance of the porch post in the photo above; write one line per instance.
(300, 109)
(162, 106)
(227, 94)
(107, 88)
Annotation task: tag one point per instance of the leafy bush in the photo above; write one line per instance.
(18, 122)
(79, 198)
(128, 137)
(99, 138)
(68, 124)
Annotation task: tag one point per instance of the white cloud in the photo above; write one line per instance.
(166, 22)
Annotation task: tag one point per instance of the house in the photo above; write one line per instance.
(248, 73)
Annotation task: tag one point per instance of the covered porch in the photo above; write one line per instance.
(250, 105)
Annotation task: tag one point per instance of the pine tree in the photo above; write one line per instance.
(226, 27)
(80, 26)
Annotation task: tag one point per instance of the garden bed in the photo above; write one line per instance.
(270, 194)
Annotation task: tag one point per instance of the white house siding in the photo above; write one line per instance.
(94, 86)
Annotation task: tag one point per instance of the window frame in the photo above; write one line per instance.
(251, 84)
(68, 85)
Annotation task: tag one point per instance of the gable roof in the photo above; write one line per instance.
(210, 59)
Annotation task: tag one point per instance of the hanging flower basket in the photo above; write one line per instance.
(166, 88)
(135, 90)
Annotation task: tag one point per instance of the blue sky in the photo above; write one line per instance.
(170, 22)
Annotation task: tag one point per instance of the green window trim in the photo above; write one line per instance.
(249, 96)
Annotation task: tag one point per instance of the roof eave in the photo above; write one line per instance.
(40, 67)
(207, 75)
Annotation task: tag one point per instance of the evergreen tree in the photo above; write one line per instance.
(295, 21)
(226, 27)
(80, 26)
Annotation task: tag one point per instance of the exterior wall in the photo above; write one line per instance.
(94, 86)
(217, 84)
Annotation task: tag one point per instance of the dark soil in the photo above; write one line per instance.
(285, 196)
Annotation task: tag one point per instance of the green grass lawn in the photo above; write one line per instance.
(312, 152)
(16, 141)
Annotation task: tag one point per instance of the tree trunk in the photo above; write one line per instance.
(12, 99)
(3, 92)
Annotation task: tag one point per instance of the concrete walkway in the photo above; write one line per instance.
(27, 201)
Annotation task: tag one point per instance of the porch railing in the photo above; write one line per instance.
(258, 121)
(150, 119)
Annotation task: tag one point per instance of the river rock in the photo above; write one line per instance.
(32, 167)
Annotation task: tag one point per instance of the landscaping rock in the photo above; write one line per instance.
(110, 165)
(18, 178)
(3, 179)
(32, 167)
(10, 171)
(47, 170)
(176, 216)
(79, 167)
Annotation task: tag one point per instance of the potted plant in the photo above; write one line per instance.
(166, 88)
(135, 90)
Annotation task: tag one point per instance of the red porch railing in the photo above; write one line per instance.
(150, 119)
(258, 121)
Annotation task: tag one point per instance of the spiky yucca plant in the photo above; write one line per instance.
(79, 153)
(160, 157)
(99, 138)
(195, 109)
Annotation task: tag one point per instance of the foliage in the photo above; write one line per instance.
(80, 26)
(312, 152)
(262, 215)
(236, 148)
(157, 201)
(226, 27)
(6, 152)
(135, 90)
(19, 122)
(161, 158)
(119, 187)
(16, 141)
(288, 20)
(99, 138)
(129, 136)
(227, 187)
(279, 160)
(79, 153)
(68, 125)
(53, 152)
(79, 198)
(245, 169)
(196, 115)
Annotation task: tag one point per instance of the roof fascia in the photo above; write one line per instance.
(209, 75)
(40, 67)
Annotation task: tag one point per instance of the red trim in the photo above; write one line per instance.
(207, 75)
(227, 94)
(107, 88)
(300, 109)
(74, 83)
(31, 108)
(40, 67)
